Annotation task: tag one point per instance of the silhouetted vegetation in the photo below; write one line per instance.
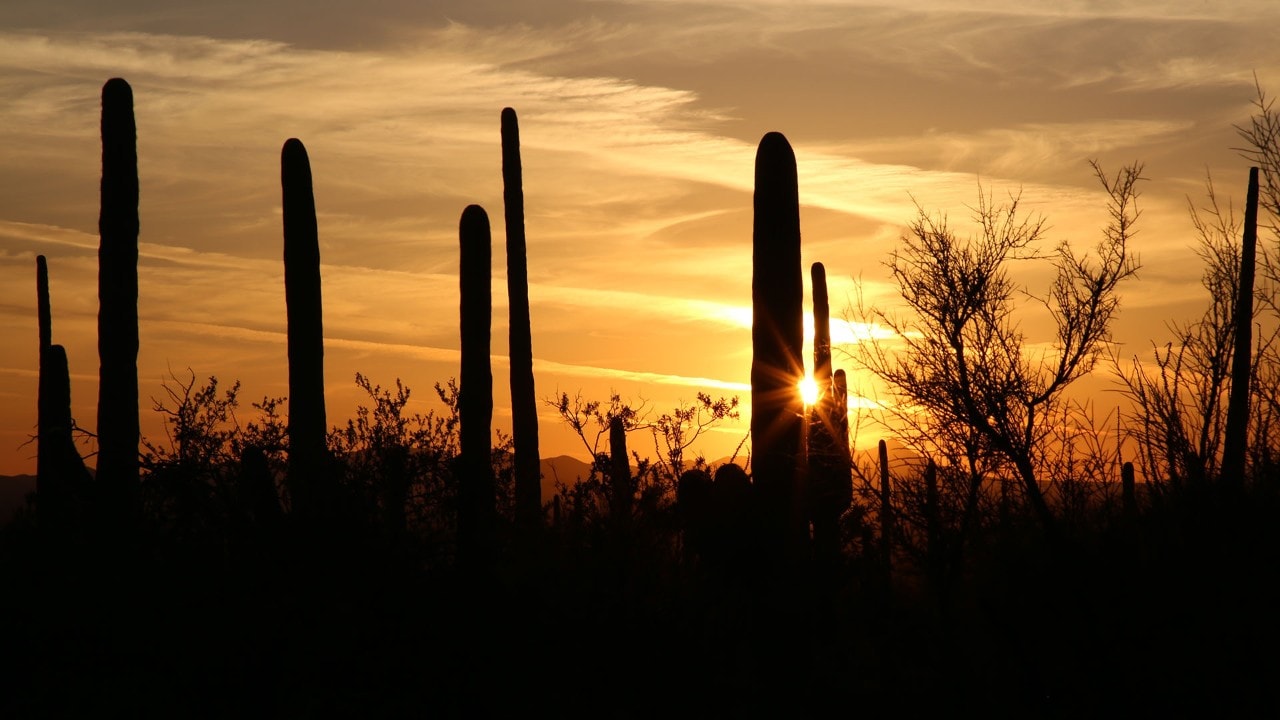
(524, 401)
(118, 424)
(308, 462)
(995, 557)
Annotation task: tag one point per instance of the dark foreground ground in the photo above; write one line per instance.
(1165, 617)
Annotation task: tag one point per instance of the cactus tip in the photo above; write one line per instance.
(116, 86)
(775, 141)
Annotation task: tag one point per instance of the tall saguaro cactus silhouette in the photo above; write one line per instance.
(476, 505)
(777, 338)
(840, 391)
(886, 508)
(822, 448)
(60, 472)
(44, 312)
(61, 475)
(44, 319)
(307, 425)
(829, 468)
(524, 404)
(1235, 435)
(620, 473)
(118, 424)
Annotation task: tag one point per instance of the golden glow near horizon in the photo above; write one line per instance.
(638, 128)
(808, 390)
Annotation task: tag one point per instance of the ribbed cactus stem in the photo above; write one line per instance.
(476, 507)
(840, 389)
(44, 321)
(1128, 490)
(307, 424)
(828, 479)
(118, 422)
(620, 475)
(777, 337)
(825, 458)
(524, 403)
(1235, 435)
(43, 312)
(61, 473)
(886, 508)
(821, 329)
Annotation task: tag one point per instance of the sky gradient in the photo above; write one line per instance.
(639, 122)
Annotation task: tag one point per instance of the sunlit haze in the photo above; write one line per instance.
(639, 122)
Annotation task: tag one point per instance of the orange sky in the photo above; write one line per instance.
(639, 122)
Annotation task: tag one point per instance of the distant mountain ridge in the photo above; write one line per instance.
(14, 490)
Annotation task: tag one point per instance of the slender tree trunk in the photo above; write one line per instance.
(1027, 472)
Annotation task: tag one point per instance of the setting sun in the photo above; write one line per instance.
(808, 390)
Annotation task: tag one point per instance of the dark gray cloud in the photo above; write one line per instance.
(316, 24)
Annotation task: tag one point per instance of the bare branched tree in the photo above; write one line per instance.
(1262, 149)
(1179, 398)
(959, 355)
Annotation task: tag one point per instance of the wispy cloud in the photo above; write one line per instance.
(639, 127)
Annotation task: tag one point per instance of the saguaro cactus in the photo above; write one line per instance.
(524, 404)
(1235, 435)
(118, 424)
(44, 313)
(840, 389)
(476, 507)
(307, 425)
(777, 337)
(620, 472)
(60, 472)
(1128, 491)
(886, 509)
(829, 470)
(45, 325)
